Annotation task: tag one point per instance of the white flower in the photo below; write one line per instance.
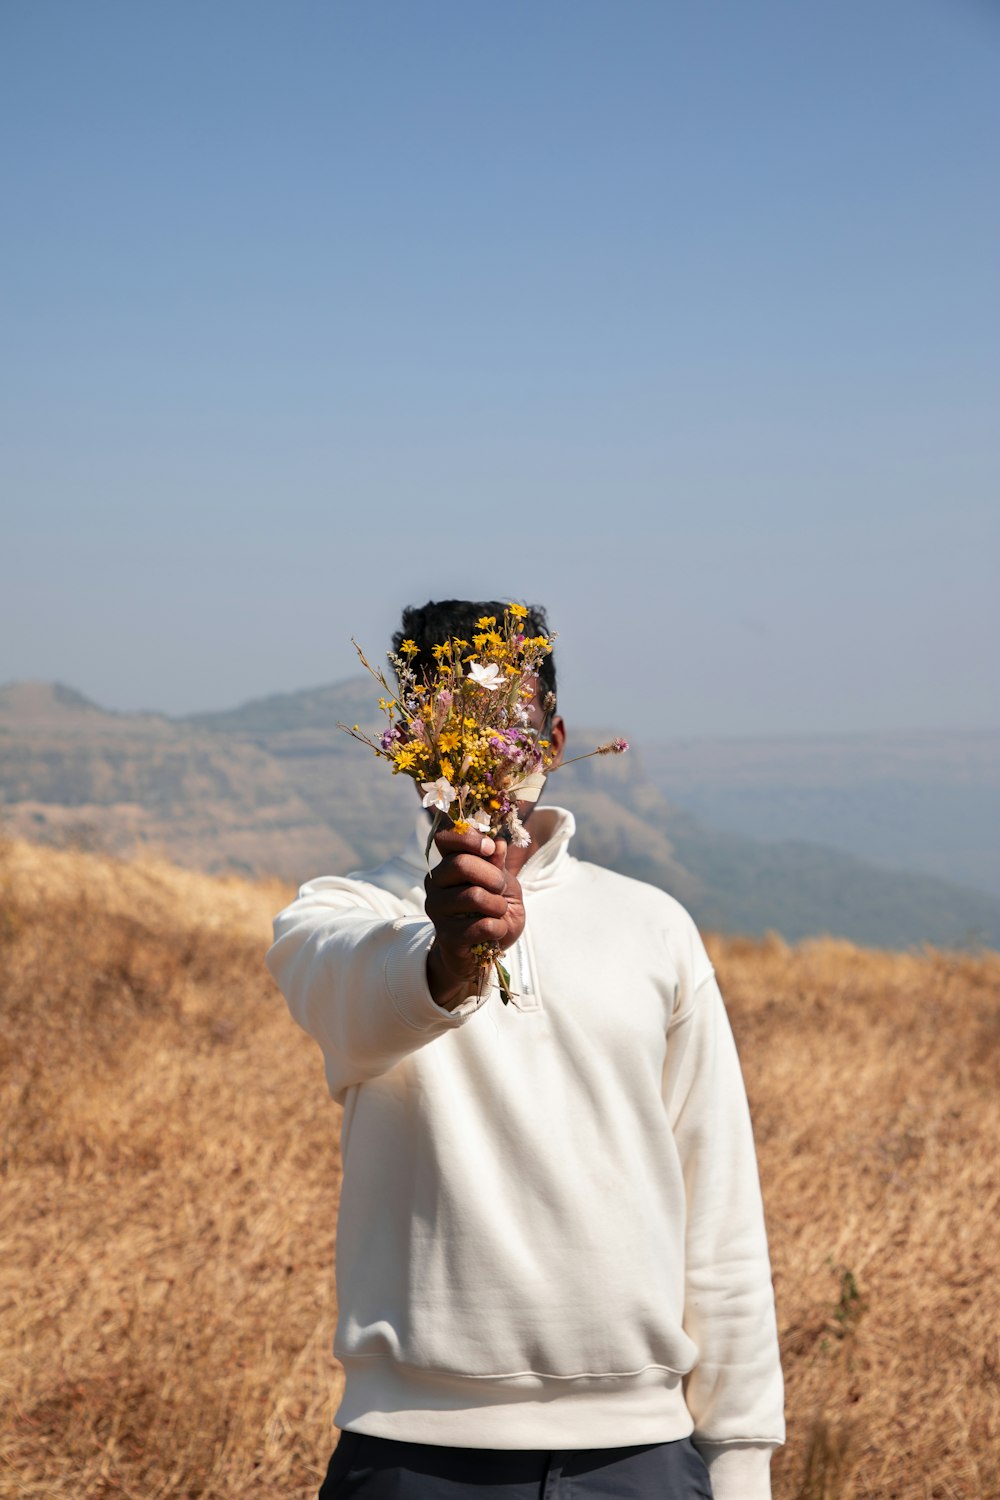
(519, 835)
(440, 793)
(487, 677)
(480, 821)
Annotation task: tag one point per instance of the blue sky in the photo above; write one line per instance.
(682, 318)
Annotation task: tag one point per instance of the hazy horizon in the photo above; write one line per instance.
(903, 732)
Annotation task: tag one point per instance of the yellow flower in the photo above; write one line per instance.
(409, 648)
(461, 826)
(486, 622)
(448, 740)
(405, 757)
(519, 611)
(447, 769)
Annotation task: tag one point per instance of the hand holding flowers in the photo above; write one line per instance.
(474, 900)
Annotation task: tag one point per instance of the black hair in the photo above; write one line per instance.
(440, 620)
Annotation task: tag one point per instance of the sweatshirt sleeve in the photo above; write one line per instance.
(735, 1390)
(355, 979)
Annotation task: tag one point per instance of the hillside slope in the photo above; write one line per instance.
(73, 773)
(171, 1177)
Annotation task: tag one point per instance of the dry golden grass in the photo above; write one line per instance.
(170, 1185)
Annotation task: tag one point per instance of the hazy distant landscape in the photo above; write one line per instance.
(889, 840)
(924, 802)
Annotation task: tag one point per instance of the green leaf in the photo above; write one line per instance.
(435, 825)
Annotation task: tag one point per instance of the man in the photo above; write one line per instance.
(552, 1269)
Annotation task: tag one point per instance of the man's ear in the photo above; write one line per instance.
(557, 740)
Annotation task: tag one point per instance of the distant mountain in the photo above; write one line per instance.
(71, 772)
(319, 708)
(275, 787)
(928, 803)
(797, 888)
(26, 707)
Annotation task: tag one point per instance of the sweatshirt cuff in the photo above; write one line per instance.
(738, 1471)
(406, 981)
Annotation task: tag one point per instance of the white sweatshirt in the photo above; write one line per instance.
(550, 1231)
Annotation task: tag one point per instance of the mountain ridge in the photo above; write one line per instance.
(272, 787)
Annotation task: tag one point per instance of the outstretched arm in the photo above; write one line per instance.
(372, 986)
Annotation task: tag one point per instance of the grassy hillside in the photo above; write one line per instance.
(170, 1184)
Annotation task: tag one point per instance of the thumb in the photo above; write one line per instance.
(499, 855)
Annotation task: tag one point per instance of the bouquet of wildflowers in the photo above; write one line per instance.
(464, 733)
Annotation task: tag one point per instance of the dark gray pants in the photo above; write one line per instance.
(371, 1468)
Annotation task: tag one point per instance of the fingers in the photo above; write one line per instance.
(450, 842)
(466, 869)
(468, 893)
(447, 902)
(465, 918)
(461, 940)
(468, 859)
